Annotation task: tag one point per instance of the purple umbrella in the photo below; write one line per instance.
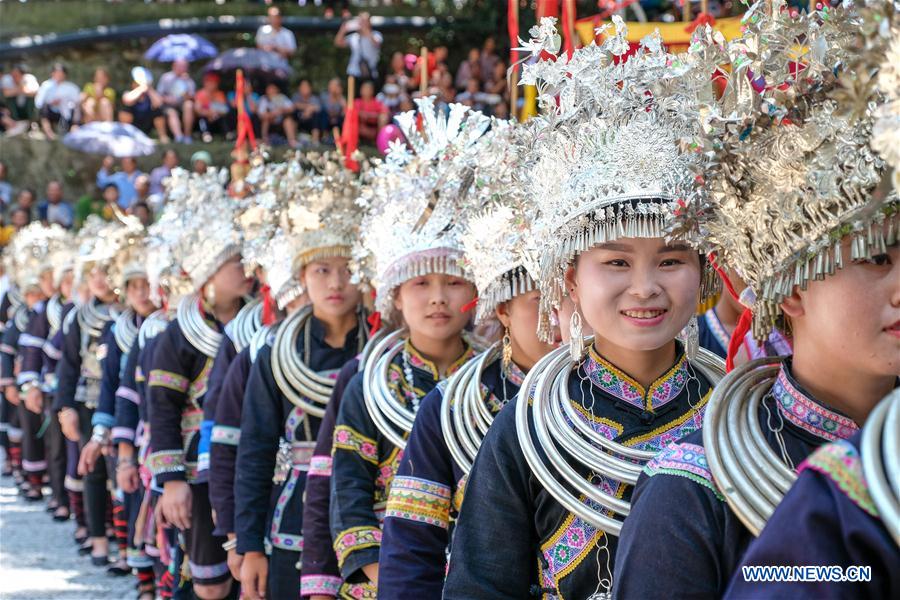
(113, 138)
(253, 61)
(181, 45)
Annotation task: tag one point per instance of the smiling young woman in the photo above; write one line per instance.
(562, 459)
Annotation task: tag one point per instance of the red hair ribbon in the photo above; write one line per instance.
(737, 338)
(711, 257)
(268, 311)
(374, 321)
(469, 305)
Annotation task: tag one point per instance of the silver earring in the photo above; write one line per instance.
(506, 356)
(690, 336)
(576, 344)
(209, 294)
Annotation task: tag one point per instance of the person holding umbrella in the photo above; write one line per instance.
(142, 105)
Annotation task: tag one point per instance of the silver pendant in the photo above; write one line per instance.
(600, 596)
(282, 462)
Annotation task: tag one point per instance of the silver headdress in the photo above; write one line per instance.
(208, 235)
(413, 202)
(612, 152)
(496, 241)
(30, 252)
(793, 169)
(886, 131)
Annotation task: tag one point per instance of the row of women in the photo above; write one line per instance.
(499, 363)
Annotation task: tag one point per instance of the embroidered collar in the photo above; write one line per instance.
(515, 375)
(418, 361)
(615, 382)
(799, 408)
(317, 331)
(715, 326)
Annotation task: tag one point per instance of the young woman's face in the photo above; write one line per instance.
(137, 294)
(432, 305)
(230, 281)
(853, 314)
(98, 283)
(65, 284)
(520, 317)
(47, 288)
(636, 293)
(327, 283)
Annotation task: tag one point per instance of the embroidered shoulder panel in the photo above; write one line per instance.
(840, 462)
(671, 432)
(347, 438)
(684, 460)
(168, 379)
(358, 591)
(419, 500)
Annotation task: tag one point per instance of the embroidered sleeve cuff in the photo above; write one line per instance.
(840, 462)
(420, 501)
(126, 393)
(229, 436)
(122, 434)
(319, 585)
(167, 465)
(168, 379)
(27, 376)
(7, 349)
(31, 341)
(103, 419)
(357, 547)
(684, 460)
(319, 466)
(347, 438)
(52, 352)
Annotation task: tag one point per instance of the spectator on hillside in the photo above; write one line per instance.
(398, 72)
(53, 209)
(251, 105)
(123, 180)
(98, 100)
(142, 106)
(489, 59)
(469, 69)
(160, 173)
(334, 104)
(19, 89)
(143, 212)
(212, 108)
(200, 161)
(57, 100)
(473, 96)
(276, 115)
(373, 115)
(446, 93)
(496, 85)
(111, 201)
(26, 199)
(365, 47)
(19, 217)
(309, 111)
(141, 189)
(391, 95)
(177, 90)
(272, 37)
(6, 189)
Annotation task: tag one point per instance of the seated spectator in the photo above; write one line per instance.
(123, 180)
(473, 96)
(390, 96)
(19, 89)
(469, 69)
(364, 44)
(501, 110)
(496, 85)
(446, 91)
(57, 101)
(310, 117)
(111, 201)
(272, 37)
(87, 205)
(159, 175)
(6, 189)
(142, 211)
(334, 104)
(26, 199)
(98, 99)
(251, 105)
(275, 112)
(19, 217)
(373, 115)
(398, 73)
(212, 108)
(142, 105)
(489, 60)
(200, 161)
(177, 90)
(53, 209)
(141, 189)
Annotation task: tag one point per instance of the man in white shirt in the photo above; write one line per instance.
(57, 100)
(272, 37)
(365, 47)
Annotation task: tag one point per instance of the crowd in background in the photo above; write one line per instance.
(180, 108)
